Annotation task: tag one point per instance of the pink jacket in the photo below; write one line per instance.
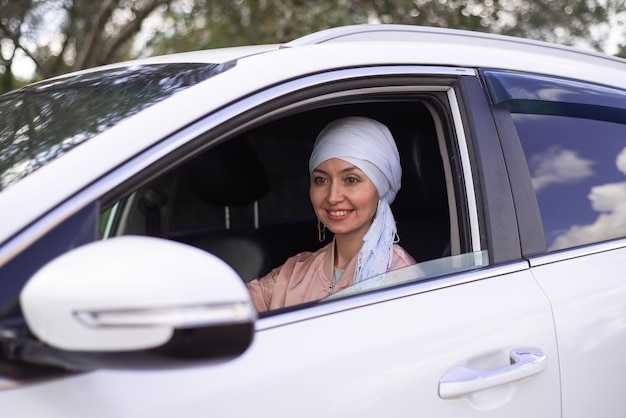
(306, 277)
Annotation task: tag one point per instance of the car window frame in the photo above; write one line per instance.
(532, 236)
(461, 128)
(502, 233)
(460, 86)
(530, 225)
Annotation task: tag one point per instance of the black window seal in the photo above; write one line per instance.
(502, 232)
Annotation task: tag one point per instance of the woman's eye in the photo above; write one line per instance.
(352, 180)
(319, 180)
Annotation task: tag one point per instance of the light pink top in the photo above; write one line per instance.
(306, 277)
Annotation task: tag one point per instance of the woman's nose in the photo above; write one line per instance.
(335, 193)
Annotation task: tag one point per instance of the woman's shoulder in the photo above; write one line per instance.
(401, 257)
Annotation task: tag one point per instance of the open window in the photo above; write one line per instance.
(246, 199)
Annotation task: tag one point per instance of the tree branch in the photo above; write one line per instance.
(130, 30)
(15, 38)
(70, 34)
(85, 57)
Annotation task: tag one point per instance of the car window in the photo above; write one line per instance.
(246, 199)
(574, 139)
(417, 273)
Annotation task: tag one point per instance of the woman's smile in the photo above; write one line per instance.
(344, 198)
(337, 213)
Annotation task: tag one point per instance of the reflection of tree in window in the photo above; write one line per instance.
(42, 121)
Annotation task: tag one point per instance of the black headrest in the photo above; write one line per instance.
(423, 191)
(228, 175)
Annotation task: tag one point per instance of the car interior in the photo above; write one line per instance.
(246, 200)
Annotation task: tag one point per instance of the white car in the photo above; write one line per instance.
(137, 199)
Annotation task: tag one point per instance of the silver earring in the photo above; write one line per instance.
(321, 231)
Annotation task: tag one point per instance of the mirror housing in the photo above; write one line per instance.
(135, 293)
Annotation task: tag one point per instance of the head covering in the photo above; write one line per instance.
(368, 145)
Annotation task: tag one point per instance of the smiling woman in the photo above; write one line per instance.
(355, 175)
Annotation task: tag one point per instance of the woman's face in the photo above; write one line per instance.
(343, 197)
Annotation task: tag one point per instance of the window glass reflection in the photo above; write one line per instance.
(506, 86)
(417, 273)
(43, 121)
(578, 169)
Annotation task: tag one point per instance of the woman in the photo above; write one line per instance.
(355, 175)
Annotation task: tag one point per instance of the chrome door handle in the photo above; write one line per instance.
(463, 380)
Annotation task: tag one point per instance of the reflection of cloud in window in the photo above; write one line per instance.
(557, 165)
(621, 161)
(610, 201)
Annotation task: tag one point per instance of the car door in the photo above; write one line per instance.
(573, 141)
(398, 352)
(460, 334)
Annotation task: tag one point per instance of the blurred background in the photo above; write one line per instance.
(44, 38)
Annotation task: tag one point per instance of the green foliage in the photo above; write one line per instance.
(59, 36)
(65, 35)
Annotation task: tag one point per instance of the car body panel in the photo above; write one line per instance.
(384, 358)
(588, 298)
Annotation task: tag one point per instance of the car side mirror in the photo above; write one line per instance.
(136, 295)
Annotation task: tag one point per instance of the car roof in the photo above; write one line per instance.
(482, 50)
(409, 33)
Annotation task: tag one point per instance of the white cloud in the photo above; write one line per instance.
(559, 166)
(607, 198)
(610, 201)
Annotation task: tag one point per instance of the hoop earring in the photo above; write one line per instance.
(321, 231)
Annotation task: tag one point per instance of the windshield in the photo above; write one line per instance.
(45, 120)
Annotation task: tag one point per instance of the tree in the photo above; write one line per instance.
(65, 35)
(213, 23)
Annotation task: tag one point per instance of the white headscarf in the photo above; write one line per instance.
(368, 145)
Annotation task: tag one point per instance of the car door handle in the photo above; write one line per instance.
(463, 380)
